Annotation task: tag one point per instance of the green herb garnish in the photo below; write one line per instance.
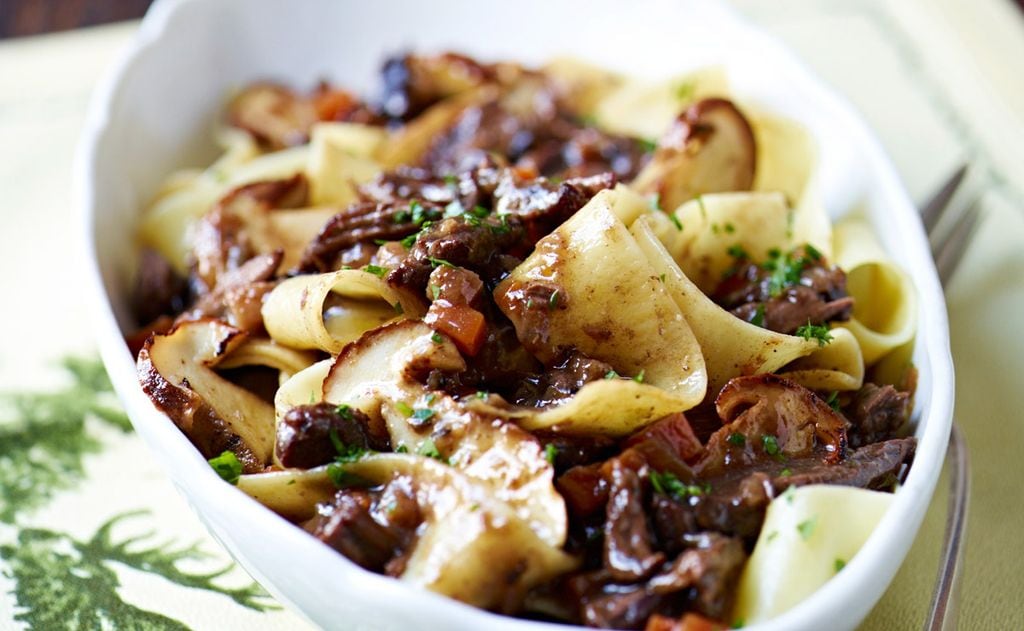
(227, 467)
(770, 444)
(758, 319)
(550, 452)
(435, 262)
(376, 270)
(737, 439)
(816, 332)
(344, 411)
(436, 338)
(806, 528)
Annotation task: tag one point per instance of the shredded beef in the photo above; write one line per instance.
(375, 529)
(786, 292)
(304, 436)
(876, 413)
(628, 552)
(159, 290)
(570, 372)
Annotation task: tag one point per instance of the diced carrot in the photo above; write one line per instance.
(466, 326)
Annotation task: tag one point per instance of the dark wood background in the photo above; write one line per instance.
(31, 17)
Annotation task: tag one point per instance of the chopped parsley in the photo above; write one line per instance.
(806, 527)
(668, 484)
(675, 221)
(785, 472)
(771, 536)
(737, 252)
(833, 400)
(647, 144)
(346, 453)
(435, 291)
(812, 252)
(399, 309)
(435, 262)
(816, 332)
(611, 374)
(409, 241)
(789, 494)
(419, 213)
(785, 270)
(737, 439)
(550, 452)
(344, 411)
(227, 467)
(758, 319)
(656, 201)
(729, 228)
(403, 408)
(770, 444)
(401, 449)
(423, 414)
(639, 378)
(685, 90)
(403, 216)
(429, 449)
(339, 477)
(656, 205)
(553, 301)
(839, 565)
(662, 277)
(451, 179)
(376, 270)
(436, 338)
(482, 394)
(703, 209)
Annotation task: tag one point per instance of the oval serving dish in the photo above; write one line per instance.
(153, 113)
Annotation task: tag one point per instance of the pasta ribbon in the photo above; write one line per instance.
(166, 225)
(610, 305)
(809, 534)
(297, 314)
(730, 346)
(342, 156)
(885, 307)
(839, 365)
(646, 110)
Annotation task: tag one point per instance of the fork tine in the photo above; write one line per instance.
(948, 252)
(933, 210)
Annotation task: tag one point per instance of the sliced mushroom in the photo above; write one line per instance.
(766, 415)
(709, 149)
(176, 371)
(275, 115)
(474, 547)
(381, 375)
(236, 229)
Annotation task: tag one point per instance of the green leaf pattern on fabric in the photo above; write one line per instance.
(61, 582)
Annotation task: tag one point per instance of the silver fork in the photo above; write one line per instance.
(948, 246)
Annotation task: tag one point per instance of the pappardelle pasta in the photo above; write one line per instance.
(551, 342)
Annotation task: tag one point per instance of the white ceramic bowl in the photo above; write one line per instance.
(154, 111)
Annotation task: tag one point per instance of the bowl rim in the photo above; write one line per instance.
(201, 486)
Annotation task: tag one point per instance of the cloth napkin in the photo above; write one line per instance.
(93, 535)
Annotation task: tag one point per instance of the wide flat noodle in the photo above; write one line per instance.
(292, 493)
(885, 302)
(645, 109)
(713, 223)
(264, 352)
(582, 86)
(809, 533)
(294, 312)
(839, 365)
(611, 306)
(166, 224)
(342, 156)
(731, 346)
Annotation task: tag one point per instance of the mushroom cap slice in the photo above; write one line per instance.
(775, 416)
(176, 371)
(709, 149)
(474, 547)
